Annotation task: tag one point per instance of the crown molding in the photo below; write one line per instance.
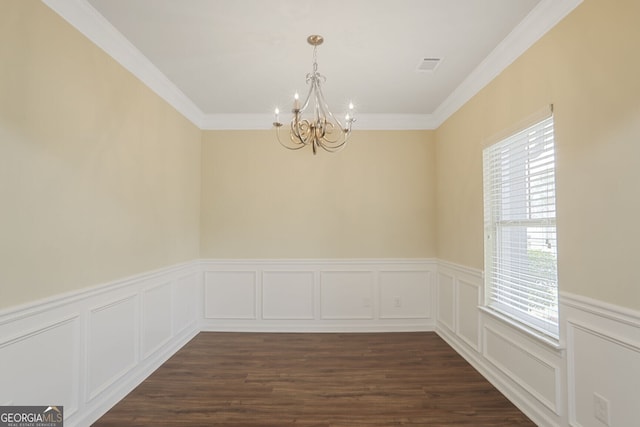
(395, 122)
(237, 122)
(81, 15)
(535, 25)
(363, 122)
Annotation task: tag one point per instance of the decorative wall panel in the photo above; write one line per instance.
(405, 294)
(287, 295)
(156, 317)
(346, 295)
(112, 343)
(446, 300)
(319, 295)
(230, 294)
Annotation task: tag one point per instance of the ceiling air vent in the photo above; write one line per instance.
(428, 64)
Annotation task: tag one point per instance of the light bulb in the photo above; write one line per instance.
(296, 102)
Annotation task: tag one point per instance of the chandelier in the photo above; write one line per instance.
(312, 122)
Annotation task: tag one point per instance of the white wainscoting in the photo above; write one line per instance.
(319, 295)
(39, 362)
(459, 296)
(528, 372)
(86, 350)
(599, 354)
(112, 343)
(603, 358)
(531, 370)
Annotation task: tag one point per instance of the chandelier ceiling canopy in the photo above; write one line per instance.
(312, 122)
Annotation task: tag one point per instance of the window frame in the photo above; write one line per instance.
(495, 226)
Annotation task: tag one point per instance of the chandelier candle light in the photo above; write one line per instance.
(321, 128)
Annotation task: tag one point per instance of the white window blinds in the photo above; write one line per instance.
(520, 227)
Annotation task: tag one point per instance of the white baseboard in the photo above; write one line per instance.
(291, 327)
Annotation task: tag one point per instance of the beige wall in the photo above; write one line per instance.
(588, 67)
(99, 178)
(374, 199)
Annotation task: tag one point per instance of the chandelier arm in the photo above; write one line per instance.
(298, 128)
(322, 110)
(294, 132)
(300, 131)
(333, 149)
(341, 136)
(333, 146)
(325, 108)
(299, 146)
(319, 120)
(305, 104)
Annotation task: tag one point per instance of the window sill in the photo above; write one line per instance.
(546, 340)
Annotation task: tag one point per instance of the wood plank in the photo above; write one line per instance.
(315, 380)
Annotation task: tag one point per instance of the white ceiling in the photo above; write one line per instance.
(229, 63)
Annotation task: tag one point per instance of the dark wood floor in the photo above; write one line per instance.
(319, 380)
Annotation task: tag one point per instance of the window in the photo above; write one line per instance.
(520, 228)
